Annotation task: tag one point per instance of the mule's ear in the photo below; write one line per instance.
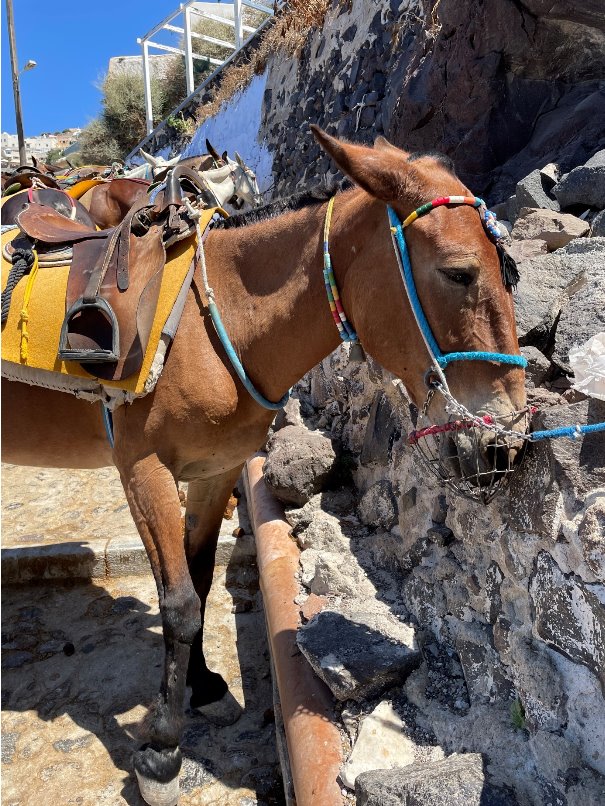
(211, 150)
(225, 157)
(239, 159)
(149, 158)
(382, 144)
(376, 172)
(34, 161)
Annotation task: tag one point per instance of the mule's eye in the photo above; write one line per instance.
(458, 277)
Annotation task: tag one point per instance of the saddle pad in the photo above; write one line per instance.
(78, 190)
(46, 311)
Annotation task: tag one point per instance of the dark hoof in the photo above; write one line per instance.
(157, 773)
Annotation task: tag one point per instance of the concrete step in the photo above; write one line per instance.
(75, 524)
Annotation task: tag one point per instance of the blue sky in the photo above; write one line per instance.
(72, 41)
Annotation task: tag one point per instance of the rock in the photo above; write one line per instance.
(382, 430)
(569, 616)
(537, 366)
(531, 192)
(323, 533)
(335, 575)
(577, 465)
(485, 676)
(298, 464)
(582, 318)
(458, 780)
(289, 415)
(382, 744)
(378, 506)
(314, 605)
(597, 226)
(557, 473)
(359, 655)
(538, 685)
(553, 754)
(550, 175)
(557, 229)
(584, 185)
(547, 283)
(524, 250)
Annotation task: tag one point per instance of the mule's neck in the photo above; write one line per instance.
(268, 279)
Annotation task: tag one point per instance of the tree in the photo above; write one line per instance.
(53, 155)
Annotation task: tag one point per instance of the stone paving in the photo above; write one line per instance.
(81, 663)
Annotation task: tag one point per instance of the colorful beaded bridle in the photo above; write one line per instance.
(438, 445)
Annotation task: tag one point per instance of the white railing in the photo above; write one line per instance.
(233, 19)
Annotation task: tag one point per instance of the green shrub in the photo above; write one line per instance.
(517, 715)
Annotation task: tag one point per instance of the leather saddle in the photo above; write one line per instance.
(56, 199)
(25, 176)
(115, 275)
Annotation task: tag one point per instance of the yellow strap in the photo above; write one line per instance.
(328, 220)
(24, 315)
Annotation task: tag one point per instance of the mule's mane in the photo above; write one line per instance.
(287, 204)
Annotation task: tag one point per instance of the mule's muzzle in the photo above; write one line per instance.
(475, 461)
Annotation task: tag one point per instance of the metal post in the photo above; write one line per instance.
(188, 52)
(237, 19)
(15, 71)
(147, 86)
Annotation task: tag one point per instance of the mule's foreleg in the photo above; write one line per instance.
(154, 502)
(206, 500)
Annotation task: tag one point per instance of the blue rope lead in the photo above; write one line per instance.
(572, 431)
(237, 365)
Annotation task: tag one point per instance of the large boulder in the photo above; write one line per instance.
(556, 229)
(458, 780)
(584, 185)
(359, 655)
(531, 192)
(547, 283)
(298, 464)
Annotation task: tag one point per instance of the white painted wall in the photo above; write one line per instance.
(236, 128)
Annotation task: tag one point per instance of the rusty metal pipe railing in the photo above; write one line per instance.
(314, 743)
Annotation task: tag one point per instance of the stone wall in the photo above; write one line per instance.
(500, 87)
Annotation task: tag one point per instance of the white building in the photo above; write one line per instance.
(37, 147)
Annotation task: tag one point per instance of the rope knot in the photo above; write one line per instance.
(25, 255)
(24, 316)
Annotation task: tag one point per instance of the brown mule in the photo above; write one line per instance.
(200, 425)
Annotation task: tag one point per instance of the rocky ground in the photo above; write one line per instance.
(81, 663)
(463, 643)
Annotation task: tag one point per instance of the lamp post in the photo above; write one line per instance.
(16, 73)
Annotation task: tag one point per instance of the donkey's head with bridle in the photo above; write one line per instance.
(443, 283)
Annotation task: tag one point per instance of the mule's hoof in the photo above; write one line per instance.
(158, 775)
(158, 794)
(221, 712)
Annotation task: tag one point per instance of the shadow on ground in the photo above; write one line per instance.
(82, 663)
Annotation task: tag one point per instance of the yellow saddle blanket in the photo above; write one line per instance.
(46, 312)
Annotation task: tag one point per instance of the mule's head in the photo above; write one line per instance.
(245, 184)
(459, 278)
